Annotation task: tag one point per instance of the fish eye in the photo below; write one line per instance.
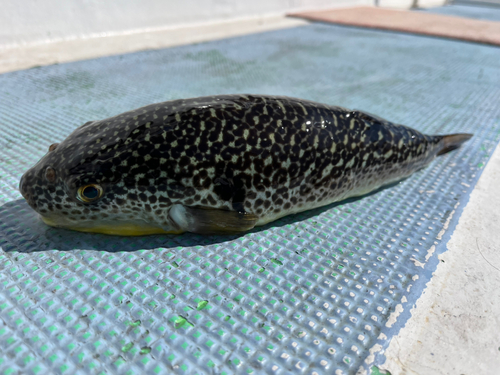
(89, 193)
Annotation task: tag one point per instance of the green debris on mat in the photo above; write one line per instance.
(201, 305)
(180, 322)
(145, 350)
(126, 348)
(376, 371)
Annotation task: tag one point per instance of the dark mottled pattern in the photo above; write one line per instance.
(268, 156)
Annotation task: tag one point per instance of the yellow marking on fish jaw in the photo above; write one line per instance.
(118, 229)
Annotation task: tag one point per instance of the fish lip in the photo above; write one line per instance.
(21, 186)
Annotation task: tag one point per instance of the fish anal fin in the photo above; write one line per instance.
(211, 221)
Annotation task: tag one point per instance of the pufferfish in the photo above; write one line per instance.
(220, 164)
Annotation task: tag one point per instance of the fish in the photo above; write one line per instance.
(220, 165)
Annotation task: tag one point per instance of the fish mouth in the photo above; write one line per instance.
(113, 228)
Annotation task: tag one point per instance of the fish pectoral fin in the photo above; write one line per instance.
(211, 221)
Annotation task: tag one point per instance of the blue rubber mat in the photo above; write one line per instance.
(316, 293)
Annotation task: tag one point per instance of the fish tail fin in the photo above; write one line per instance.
(452, 142)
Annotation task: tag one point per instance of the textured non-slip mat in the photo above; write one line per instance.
(317, 293)
(425, 23)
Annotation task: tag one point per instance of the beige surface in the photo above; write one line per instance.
(455, 326)
(468, 29)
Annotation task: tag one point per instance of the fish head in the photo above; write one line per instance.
(82, 184)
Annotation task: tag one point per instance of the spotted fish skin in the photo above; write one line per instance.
(258, 157)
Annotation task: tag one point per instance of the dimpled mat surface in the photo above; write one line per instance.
(316, 293)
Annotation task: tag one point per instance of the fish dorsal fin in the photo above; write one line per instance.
(87, 124)
(367, 116)
(211, 221)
